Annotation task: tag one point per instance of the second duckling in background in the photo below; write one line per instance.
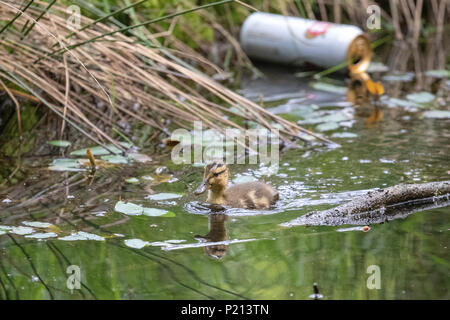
(250, 195)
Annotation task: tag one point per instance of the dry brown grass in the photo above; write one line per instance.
(117, 80)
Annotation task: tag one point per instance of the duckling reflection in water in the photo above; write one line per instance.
(217, 232)
(250, 195)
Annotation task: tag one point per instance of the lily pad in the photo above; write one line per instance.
(399, 77)
(59, 143)
(132, 209)
(323, 86)
(132, 180)
(44, 235)
(100, 151)
(336, 116)
(377, 67)
(421, 97)
(37, 224)
(394, 102)
(327, 126)
(140, 157)
(22, 230)
(163, 196)
(153, 212)
(437, 114)
(81, 235)
(438, 73)
(136, 243)
(344, 135)
(65, 165)
(115, 159)
(129, 208)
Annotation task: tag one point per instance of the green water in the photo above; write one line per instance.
(273, 262)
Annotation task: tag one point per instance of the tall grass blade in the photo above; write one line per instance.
(39, 18)
(16, 17)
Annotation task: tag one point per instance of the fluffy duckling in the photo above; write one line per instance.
(217, 232)
(250, 195)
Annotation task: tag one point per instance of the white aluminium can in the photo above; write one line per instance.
(292, 40)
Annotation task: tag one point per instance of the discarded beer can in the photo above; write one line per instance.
(292, 40)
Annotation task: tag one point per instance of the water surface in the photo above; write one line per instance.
(259, 259)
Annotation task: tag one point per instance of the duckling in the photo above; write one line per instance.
(217, 232)
(250, 195)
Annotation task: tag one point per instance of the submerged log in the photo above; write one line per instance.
(381, 205)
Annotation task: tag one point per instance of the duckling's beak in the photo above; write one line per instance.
(201, 188)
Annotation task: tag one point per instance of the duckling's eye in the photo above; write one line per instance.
(215, 174)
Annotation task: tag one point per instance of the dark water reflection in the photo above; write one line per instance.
(240, 254)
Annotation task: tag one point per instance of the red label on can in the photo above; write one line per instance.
(316, 29)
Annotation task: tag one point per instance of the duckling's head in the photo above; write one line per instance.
(215, 178)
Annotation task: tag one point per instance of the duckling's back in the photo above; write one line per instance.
(251, 195)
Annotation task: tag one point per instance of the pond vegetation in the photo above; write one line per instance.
(87, 179)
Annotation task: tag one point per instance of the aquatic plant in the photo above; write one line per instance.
(103, 77)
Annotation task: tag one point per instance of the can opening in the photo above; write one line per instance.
(359, 54)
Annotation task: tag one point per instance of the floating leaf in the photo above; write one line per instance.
(37, 224)
(336, 116)
(132, 180)
(81, 235)
(115, 159)
(129, 208)
(136, 243)
(153, 212)
(399, 77)
(344, 135)
(132, 209)
(421, 97)
(377, 67)
(65, 165)
(22, 230)
(437, 114)
(100, 151)
(140, 157)
(59, 143)
(394, 102)
(438, 73)
(42, 235)
(163, 196)
(328, 126)
(66, 162)
(323, 86)
(96, 151)
(90, 236)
